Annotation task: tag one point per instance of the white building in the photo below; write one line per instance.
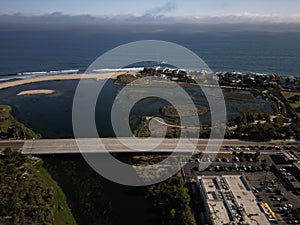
(229, 200)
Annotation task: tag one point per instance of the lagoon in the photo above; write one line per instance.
(51, 115)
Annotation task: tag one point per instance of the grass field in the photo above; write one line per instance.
(62, 213)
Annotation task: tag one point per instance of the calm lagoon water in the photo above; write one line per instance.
(51, 115)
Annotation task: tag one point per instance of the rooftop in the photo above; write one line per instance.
(230, 200)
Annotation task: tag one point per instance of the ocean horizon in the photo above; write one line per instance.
(27, 54)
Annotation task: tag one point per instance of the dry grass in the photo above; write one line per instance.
(287, 95)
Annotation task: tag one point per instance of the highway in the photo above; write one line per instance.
(115, 145)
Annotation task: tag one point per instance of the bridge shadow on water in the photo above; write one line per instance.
(96, 200)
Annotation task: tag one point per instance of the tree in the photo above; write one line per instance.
(172, 213)
(7, 152)
(185, 197)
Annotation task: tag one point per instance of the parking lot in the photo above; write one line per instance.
(267, 188)
(255, 163)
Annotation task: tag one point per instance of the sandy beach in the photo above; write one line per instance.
(36, 92)
(112, 75)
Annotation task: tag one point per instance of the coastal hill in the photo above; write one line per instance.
(28, 193)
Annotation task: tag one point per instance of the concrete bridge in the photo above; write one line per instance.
(114, 145)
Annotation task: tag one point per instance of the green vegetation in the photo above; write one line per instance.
(172, 198)
(28, 193)
(290, 110)
(83, 189)
(124, 79)
(257, 125)
(171, 112)
(10, 128)
(62, 213)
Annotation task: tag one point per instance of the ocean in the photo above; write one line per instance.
(36, 53)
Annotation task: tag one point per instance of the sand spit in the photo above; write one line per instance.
(36, 92)
(102, 76)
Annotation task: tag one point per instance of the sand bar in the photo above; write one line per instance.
(102, 76)
(36, 92)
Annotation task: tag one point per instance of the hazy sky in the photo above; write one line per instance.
(162, 7)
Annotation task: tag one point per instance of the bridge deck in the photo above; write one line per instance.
(113, 145)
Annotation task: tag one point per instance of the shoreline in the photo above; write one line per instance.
(102, 76)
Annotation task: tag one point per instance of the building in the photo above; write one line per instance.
(290, 157)
(229, 200)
